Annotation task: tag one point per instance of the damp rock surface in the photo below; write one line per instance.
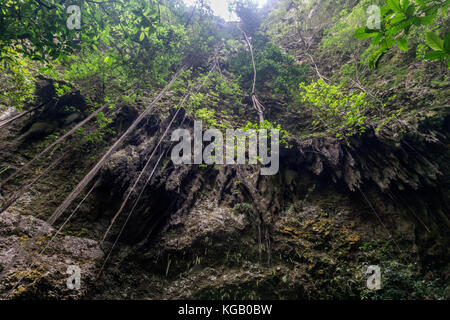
(29, 272)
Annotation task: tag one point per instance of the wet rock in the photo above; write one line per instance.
(28, 272)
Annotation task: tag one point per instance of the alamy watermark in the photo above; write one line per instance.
(374, 17)
(73, 22)
(74, 281)
(374, 277)
(229, 151)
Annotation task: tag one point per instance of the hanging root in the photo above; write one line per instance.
(129, 216)
(124, 202)
(83, 183)
(148, 179)
(187, 95)
(256, 104)
(258, 107)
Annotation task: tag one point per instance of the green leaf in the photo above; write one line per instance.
(447, 43)
(387, 42)
(403, 44)
(375, 57)
(394, 5)
(361, 33)
(108, 60)
(396, 18)
(410, 11)
(142, 36)
(427, 19)
(384, 10)
(435, 55)
(404, 4)
(377, 39)
(399, 27)
(435, 43)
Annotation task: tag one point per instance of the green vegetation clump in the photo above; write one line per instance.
(404, 282)
(17, 79)
(335, 110)
(277, 72)
(399, 18)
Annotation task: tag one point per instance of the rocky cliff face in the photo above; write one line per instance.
(33, 268)
(226, 232)
(309, 232)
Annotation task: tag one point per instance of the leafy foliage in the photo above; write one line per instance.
(103, 128)
(403, 282)
(277, 73)
(249, 15)
(335, 110)
(17, 79)
(33, 26)
(340, 36)
(39, 27)
(397, 19)
(218, 94)
(267, 125)
(206, 115)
